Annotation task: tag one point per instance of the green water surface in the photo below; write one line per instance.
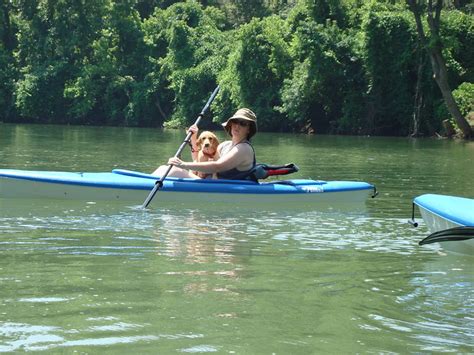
(97, 278)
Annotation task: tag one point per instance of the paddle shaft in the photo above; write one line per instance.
(159, 183)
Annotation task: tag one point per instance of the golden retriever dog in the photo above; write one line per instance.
(206, 145)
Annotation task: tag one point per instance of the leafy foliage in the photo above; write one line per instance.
(264, 43)
(464, 96)
(333, 66)
(458, 32)
(7, 79)
(392, 103)
(194, 56)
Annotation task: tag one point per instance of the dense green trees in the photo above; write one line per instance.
(391, 104)
(332, 66)
(433, 44)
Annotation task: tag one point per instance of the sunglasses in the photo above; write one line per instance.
(241, 123)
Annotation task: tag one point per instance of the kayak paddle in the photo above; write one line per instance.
(448, 235)
(159, 183)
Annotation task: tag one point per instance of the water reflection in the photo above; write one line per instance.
(204, 236)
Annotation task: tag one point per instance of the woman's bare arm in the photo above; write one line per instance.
(235, 157)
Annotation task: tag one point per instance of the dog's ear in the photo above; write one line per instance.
(215, 141)
(199, 142)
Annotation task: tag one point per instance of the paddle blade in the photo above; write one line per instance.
(447, 235)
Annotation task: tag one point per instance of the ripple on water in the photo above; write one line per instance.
(312, 230)
(43, 299)
(28, 337)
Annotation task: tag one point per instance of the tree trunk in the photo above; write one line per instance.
(440, 75)
(418, 98)
(438, 63)
(160, 110)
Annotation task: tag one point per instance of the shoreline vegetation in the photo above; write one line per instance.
(345, 67)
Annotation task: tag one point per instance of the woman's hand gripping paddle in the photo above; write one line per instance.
(159, 183)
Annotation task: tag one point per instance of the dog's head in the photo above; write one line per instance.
(207, 142)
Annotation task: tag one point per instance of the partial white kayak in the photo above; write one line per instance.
(450, 219)
(133, 188)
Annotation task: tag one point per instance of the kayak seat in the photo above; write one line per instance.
(263, 171)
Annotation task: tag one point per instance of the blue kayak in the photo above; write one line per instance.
(457, 211)
(133, 187)
(450, 220)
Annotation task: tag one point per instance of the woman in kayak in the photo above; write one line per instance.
(235, 158)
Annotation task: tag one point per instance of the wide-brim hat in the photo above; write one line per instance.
(243, 114)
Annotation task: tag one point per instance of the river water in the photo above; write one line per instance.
(95, 278)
